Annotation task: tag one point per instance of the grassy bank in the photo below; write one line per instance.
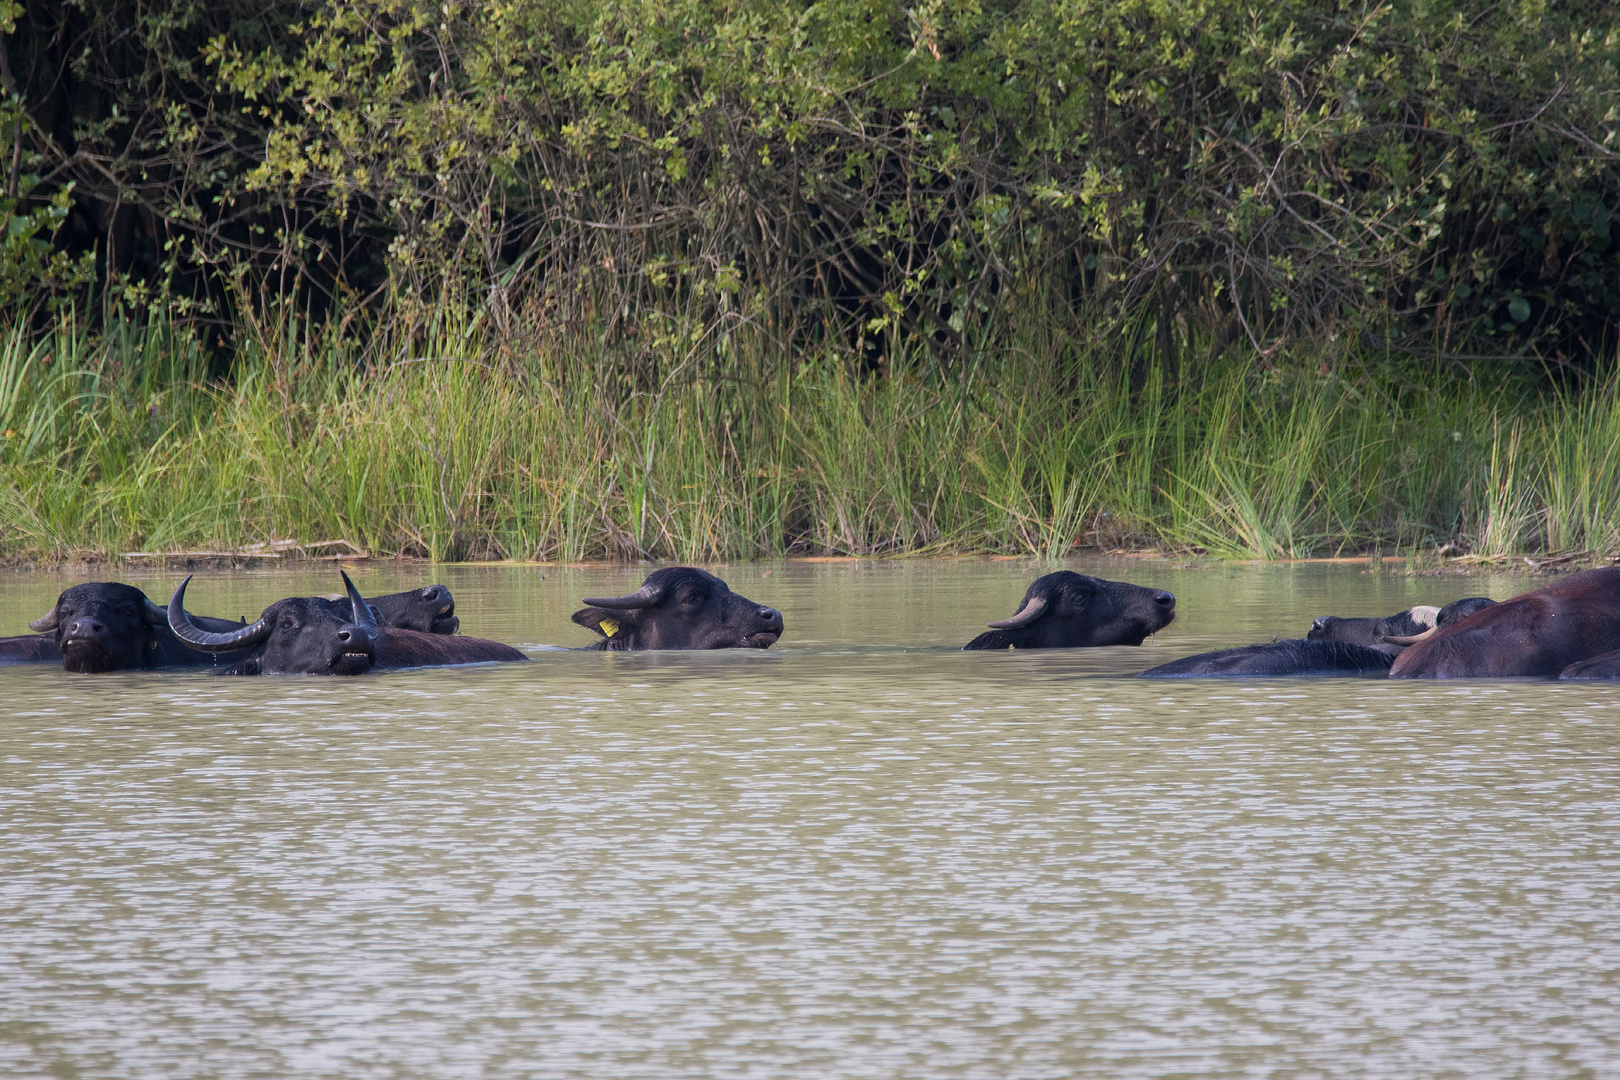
(125, 442)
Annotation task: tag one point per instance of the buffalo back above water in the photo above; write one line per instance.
(1292, 657)
(680, 607)
(109, 626)
(1066, 610)
(1539, 633)
(398, 648)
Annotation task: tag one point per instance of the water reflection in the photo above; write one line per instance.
(862, 853)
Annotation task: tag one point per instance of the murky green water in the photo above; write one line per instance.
(860, 854)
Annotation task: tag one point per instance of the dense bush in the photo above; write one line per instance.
(1419, 174)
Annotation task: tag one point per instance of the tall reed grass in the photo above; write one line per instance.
(123, 441)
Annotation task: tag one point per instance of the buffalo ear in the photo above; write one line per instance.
(607, 623)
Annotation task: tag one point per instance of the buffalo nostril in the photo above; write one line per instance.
(345, 636)
(1167, 599)
(1320, 622)
(771, 615)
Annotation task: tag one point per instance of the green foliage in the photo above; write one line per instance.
(1420, 173)
(122, 442)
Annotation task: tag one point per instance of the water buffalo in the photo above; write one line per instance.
(431, 610)
(1065, 610)
(106, 626)
(1293, 657)
(1457, 609)
(110, 626)
(1606, 666)
(1371, 632)
(311, 635)
(1394, 632)
(680, 607)
(1540, 633)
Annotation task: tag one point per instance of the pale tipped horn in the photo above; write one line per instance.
(646, 596)
(46, 622)
(1027, 614)
(202, 640)
(1412, 639)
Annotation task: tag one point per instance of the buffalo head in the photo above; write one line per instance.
(302, 635)
(103, 626)
(431, 610)
(1065, 610)
(681, 607)
(1372, 632)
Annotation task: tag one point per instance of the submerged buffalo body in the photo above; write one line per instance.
(1540, 633)
(107, 626)
(30, 649)
(1606, 666)
(680, 607)
(1066, 610)
(312, 635)
(1294, 657)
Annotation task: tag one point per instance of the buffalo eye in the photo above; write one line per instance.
(288, 623)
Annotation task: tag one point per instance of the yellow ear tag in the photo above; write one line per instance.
(609, 627)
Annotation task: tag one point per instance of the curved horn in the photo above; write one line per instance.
(364, 617)
(1027, 614)
(1424, 614)
(46, 622)
(201, 639)
(1412, 639)
(646, 596)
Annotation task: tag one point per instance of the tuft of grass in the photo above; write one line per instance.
(455, 449)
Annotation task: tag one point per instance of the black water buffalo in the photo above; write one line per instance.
(109, 626)
(1371, 632)
(680, 607)
(1540, 633)
(311, 635)
(1393, 633)
(1457, 609)
(1292, 657)
(106, 626)
(431, 610)
(1066, 610)
(1606, 666)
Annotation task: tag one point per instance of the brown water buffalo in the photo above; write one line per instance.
(680, 607)
(1538, 634)
(312, 635)
(1273, 658)
(1066, 610)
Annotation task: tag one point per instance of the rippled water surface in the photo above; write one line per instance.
(860, 854)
